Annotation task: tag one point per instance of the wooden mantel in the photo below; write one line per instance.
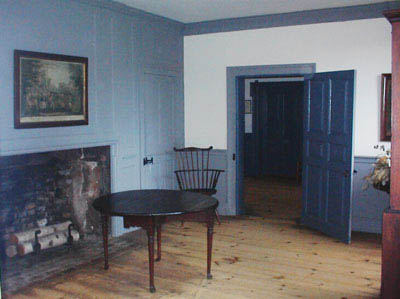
(390, 287)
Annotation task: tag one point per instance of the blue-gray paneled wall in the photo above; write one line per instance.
(119, 43)
(368, 204)
(218, 161)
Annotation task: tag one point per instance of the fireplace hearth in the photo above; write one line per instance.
(24, 271)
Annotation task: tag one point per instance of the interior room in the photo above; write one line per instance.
(273, 146)
(99, 98)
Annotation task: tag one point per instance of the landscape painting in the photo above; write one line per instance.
(50, 90)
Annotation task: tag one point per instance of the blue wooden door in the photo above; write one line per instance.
(279, 127)
(158, 130)
(328, 153)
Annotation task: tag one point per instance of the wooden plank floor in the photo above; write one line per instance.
(272, 197)
(252, 258)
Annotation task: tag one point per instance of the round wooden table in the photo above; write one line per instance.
(149, 209)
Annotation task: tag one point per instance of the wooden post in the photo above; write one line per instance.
(390, 279)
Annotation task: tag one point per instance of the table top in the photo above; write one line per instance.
(154, 203)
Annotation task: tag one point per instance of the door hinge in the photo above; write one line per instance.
(234, 157)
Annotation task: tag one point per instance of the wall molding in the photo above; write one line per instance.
(340, 14)
(127, 10)
(50, 148)
(365, 159)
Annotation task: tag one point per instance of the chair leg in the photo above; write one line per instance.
(217, 216)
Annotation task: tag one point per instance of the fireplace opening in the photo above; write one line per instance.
(50, 191)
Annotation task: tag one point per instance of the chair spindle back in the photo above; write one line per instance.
(193, 172)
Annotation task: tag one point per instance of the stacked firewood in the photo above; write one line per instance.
(44, 237)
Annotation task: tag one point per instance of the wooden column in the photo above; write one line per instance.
(390, 280)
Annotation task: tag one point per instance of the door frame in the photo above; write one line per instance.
(235, 115)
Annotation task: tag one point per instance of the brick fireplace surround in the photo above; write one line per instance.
(53, 187)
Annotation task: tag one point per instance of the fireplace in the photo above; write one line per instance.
(46, 189)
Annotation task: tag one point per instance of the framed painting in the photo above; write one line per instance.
(50, 90)
(386, 108)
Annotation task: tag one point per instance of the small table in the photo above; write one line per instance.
(149, 209)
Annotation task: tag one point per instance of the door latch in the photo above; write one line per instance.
(147, 161)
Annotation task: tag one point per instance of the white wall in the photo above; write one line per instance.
(361, 45)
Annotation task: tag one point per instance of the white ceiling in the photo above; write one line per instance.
(188, 11)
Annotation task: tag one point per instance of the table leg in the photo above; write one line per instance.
(158, 242)
(210, 231)
(150, 237)
(104, 222)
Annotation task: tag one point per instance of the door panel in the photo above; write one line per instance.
(313, 175)
(316, 120)
(328, 153)
(157, 104)
(336, 189)
(160, 174)
(338, 108)
(277, 126)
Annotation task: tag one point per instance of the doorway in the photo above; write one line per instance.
(273, 147)
(328, 147)
(235, 110)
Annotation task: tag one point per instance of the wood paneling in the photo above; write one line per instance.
(368, 203)
(394, 18)
(119, 42)
(391, 218)
(252, 258)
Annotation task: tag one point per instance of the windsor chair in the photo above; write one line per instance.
(194, 174)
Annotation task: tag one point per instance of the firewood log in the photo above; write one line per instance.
(61, 226)
(11, 250)
(53, 240)
(25, 236)
(21, 237)
(25, 247)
